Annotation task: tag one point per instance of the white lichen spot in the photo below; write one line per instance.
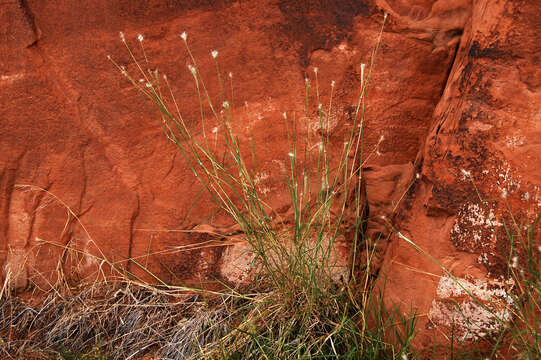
(483, 259)
(474, 308)
(259, 177)
(513, 141)
(474, 227)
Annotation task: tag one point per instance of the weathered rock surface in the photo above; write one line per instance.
(88, 179)
(74, 127)
(478, 172)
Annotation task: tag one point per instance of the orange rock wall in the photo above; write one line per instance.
(478, 173)
(454, 88)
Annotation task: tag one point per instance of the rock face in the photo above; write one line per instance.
(477, 175)
(88, 180)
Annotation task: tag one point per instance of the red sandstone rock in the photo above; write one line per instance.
(73, 126)
(478, 172)
(116, 188)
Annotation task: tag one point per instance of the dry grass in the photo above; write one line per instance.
(124, 320)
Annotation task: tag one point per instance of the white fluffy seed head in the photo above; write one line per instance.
(465, 172)
(140, 37)
(214, 53)
(514, 262)
(320, 106)
(122, 37)
(230, 75)
(183, 36)
(284, 115)
(290, 154)
(108, 57)
(192, 69)
(381, 138)
(417, 176)
(332, 83)
(225, 104)
(165, 77)
(315, 70)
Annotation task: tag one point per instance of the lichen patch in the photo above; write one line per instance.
(474, 228)
(472, 308)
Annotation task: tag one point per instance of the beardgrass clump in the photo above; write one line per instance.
(305, 304)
